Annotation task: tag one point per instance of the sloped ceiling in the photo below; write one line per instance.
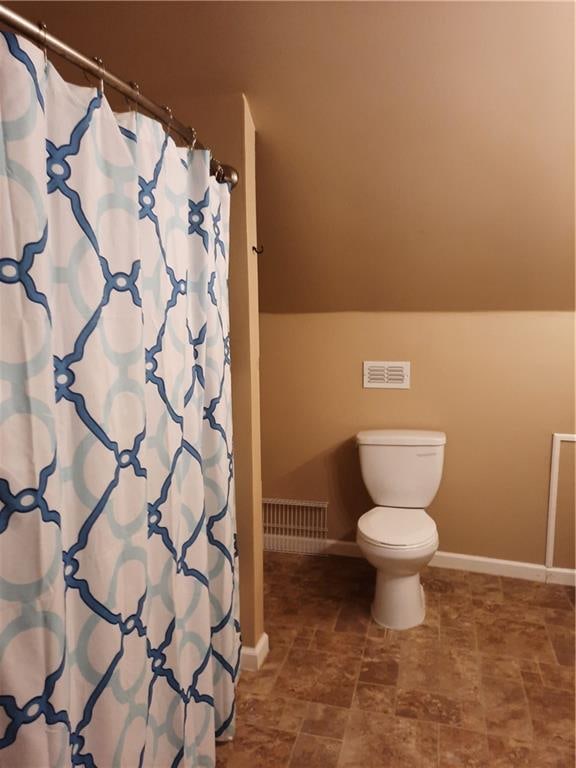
(411, 156)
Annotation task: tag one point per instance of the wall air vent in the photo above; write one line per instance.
(386, 374)
(296, 526)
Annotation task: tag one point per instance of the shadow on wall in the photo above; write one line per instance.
(346, 486)
(333, 476)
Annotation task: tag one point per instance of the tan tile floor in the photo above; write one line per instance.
(487, 680)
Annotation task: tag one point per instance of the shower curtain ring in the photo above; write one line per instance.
(194, 137)
(169, 113)
(136, 88)
(100, 64)
(44, 29)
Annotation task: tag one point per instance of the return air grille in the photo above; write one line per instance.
(295, 526)
(386, 374)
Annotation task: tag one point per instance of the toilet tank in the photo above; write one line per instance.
(401, 467)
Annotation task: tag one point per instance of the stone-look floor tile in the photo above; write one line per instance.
(269, 710)
(445, 588)
(458, 748)
(424, 705)
(263, 681)
(426, 632)
(530, 672)
(353, 617)
(473, 715)
(552, 713)
(444, 574)
(314, 752)
(523, 628)
(535, 593)
(379, 741)
(301, 610)
(319, 677)
(560, 617)
(520, 639)
(281, 611)
(283, 634)
(345, 643)
(375, 698)
(325, 720)
(506, 708)
(441, 669)
(303, 638)
(557, 676)
(511, 753)
(501, 667)
(464, 638)
(382, 672)
(336, 681)
(486, 611)
(486, 586)
(292, 715)
(379, 648)
(256, 746)
(321, 614)
(457, 613)
(298, 674)
(562, 639)
(432, 617)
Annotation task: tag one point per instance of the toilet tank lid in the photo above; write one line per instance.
(400, 437)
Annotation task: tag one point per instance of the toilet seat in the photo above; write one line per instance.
(397, 527)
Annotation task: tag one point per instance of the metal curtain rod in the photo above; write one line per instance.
(95, 67)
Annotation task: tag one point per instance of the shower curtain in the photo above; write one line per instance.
(119, 633)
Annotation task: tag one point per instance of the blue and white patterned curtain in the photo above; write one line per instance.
(119, 634)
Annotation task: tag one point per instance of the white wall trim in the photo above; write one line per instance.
(477, 564)
(490, 565)
(342, 548)
(557, 439)
(561, 576)
(252, 657)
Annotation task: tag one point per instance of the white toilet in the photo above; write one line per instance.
(401, 469)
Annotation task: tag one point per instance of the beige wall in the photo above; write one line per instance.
(411, 156)
(498, 383)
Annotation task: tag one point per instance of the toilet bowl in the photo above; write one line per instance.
(399, 601)
(402, 471)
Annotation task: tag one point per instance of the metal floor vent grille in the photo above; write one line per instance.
(295, 526)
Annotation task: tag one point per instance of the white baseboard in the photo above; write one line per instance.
(561, 576)
(474, 563)
(342, 548)
(513, 568)
(489, 565)
(252, 658)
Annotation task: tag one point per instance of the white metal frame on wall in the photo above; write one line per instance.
(557, 439)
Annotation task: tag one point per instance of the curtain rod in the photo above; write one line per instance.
(40, 35)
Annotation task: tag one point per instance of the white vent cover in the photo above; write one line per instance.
(386, 374)
(297, 526)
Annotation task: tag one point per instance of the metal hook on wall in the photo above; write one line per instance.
(258, 251)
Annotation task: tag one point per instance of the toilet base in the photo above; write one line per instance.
(399, 601)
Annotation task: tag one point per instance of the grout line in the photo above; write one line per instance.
(551, 644)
